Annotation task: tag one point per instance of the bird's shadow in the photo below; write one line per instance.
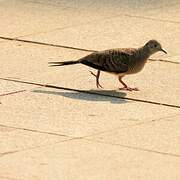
(89, 95)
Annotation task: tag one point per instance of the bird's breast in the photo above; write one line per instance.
(136, 66)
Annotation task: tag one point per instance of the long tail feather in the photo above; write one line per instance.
(63, 63)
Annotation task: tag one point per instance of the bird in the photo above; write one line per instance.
(118, 61)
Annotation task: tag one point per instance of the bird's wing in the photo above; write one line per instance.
(113, 60)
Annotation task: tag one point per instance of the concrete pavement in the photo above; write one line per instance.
(82, 132)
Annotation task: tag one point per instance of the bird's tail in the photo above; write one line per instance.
(63, 63)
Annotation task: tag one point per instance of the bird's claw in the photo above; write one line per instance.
(97, 80)
(98, 85)
(93, 74)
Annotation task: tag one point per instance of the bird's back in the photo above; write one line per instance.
(119, 60)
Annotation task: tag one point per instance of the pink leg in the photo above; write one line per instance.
(125, 86)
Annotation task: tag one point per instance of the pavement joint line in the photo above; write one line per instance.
(70, 138)
(151, 18)
(39, 146)
(31, 148)
(91, 92)
(45, 44)
(100, 142)
(70, 47)
(160, 7)
(101, 19)
(90, 135)
(67, 27)
(129, 126)
(14, 92)
(35, 131)
(137, 148)
(97, 20)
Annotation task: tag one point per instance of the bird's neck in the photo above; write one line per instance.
(144, 53)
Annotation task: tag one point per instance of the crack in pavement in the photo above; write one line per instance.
(91, 135)
(39, 146)
(128, 126)
(70, 47)
(151, 18)
(13, 92)
(97, 141)
(137, 148)
(92, 92)
(97, 20)
(67, 27)
(45, 44)
(100, 19)
(34, 130)
(71, 138)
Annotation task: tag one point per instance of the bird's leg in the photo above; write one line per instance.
(125, 86)
(97, 78)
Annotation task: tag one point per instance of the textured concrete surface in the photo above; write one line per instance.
(88, 160)
(118, 31)
(76, 114)
(77, 131)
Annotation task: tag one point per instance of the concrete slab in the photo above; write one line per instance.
(117, 138)
(170, 12)
(12, 87)
(15, 139)
(75, 114)
(23, 60)
(68, 23)
(119, 7)
(22, 19)
(119, 30)
(9, 88)
(25, 18)
(121, 34)
(161, 136)
(88, 160)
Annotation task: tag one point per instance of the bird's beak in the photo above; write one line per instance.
(163, 51)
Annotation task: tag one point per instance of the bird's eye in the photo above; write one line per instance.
(155, 45)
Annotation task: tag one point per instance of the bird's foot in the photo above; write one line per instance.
(97, 80)
(129, 89)
(93, 74)
(98, 85)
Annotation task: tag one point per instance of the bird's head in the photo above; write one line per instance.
(154, 46)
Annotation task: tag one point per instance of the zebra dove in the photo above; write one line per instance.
(120, 61)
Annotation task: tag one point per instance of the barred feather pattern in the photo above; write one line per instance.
(120, 61)
(117, 61)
